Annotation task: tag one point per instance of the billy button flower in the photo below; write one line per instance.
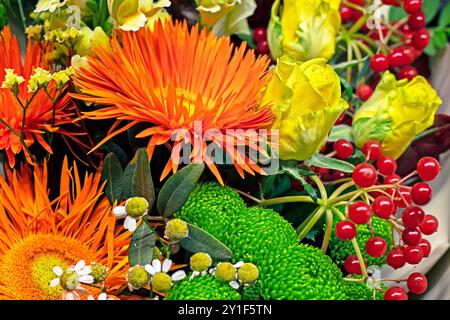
(161, 281)
(200, 262)
(137, 277)
(134, 209)
(176, 230)
(99, 272)
(248, 273)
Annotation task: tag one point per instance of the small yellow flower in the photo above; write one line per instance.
(396, 112)
(78, 61)
(304, 29)
(226, 16)
(48, 5)
(248, 273)
(200, 262)
(99, 272)
(137, 278)
(131, 15)
(225, 271)
(35, 32)
(12, 81)
(39, 79)
(306, 99)
(61, 78)
(176, 230)
(88, 39)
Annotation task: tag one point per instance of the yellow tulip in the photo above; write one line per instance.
(304, 29)
(395, 113)
(131, 15)
(226, 17)
(306, 99)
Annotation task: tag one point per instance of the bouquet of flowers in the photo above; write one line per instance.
(217, 149)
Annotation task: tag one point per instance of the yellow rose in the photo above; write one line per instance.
(226, 17)
(306, 99)
(304, 29)
(131, 15)
(395, 113)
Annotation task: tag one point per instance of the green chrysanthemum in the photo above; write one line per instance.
(360, 291)
(340, 250)
(202, 288)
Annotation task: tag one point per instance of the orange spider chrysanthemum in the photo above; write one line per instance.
(176, 79)
(39, 114)
(37, 234)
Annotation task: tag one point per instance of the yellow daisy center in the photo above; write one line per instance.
(27, 268)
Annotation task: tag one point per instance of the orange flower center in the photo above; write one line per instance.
(27, 268)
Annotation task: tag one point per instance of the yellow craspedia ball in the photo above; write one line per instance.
(137, 277)
(136, 207)
(99, 272)
(161, 282)
(176, 230)
(200, 261)
(248, 273)
(225, 271)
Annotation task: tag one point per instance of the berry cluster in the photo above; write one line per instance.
(381, 192)
(260, 38)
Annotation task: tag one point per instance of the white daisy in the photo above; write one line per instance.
(133, 210)
(160, 280)
(71, 279)
(101, 296)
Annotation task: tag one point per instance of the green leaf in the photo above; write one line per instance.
(348, 64)
(439, 39)
(444, 18)
(341, 131)
(347, 88)
(430, 8)
(201, 241)
(321, 161)
(141, 247)
(112, 173)
(127, 179)
(247, 38)
(296, 173)
(178, 187)
(396, 14)
(430, 50)
(142, 183)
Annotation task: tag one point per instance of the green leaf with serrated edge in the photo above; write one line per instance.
(112, 173)
(444, 18)
(177, 189)
(201, 241)
(321, 161)
(142, 183)
(140, 251)
(341, 131)
(290, 167)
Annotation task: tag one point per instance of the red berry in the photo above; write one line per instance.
(417, 21)
(409, 52)
(372, 149)
(413, 254)
(345, 230)
(428, 168)
(411, 236)
(351, 265)
(413, 216)
(364, 92)
(346, 13)
(296, 185)
(358, 2)
(429, 225)
(383, 207)
(375, 34)
(407, 72)
(392, 179)
(417, 283)
(398, 58)
(379, 62)
(391, 2)
(376, 247)
(426, 247)
(395, 293)
(412, 6)
(359, 212)
(263, 47)
(395, 258)
(421, 193)
(402, 197)
(344, 148)
(356, 15)
(364, 175)
(259, 34)
(323, 172)
(421, 39)
(386, 165)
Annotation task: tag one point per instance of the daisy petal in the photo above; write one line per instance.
(102, 296)
(90, 297)
(149, 268)
(239, 264)
(80, 265)
(156, 265)
(119, 212)
(86, 279)
(130, 224)
(166, 265)
(179, 275)
(58, 271)
(234, 285)
(54, 282)
(85, 271)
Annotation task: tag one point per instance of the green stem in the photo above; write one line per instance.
(328, 229)
(322, 190)
(287, 199)
(22, 14)
(311, 223)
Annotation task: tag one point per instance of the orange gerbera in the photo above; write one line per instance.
(39, 114)
(37, 234)
(178, 81)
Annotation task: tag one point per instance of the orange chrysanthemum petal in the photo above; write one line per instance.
(173, 79)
